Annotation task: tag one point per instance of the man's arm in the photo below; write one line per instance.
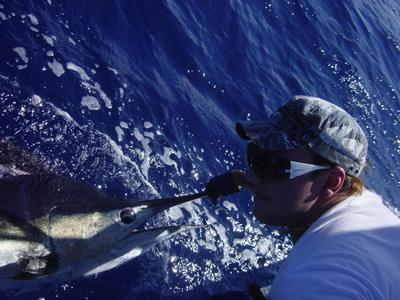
(239, 179)
(227, 184)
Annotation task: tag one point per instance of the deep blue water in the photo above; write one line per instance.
(139, 98)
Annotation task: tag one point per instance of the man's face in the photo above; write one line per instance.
(280, 201)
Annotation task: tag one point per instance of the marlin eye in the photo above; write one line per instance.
(127, 215)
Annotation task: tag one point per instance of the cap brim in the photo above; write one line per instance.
(240, 129)
(265, 135)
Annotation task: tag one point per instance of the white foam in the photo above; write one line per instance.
(71, 41)
(36, 100)
(148, 125)
(113, 70)
(264, 245)
(145, 154)
(33, 19)
(90, 102)
(79, 70)
(103, 96)
(226, 247)
(22, 53)
(230, 206)
(249, 255)
(120, 133)
(149, 134)
(64, 114)
(87, 81)
(56, 67)
(168, 160)
(48, 39)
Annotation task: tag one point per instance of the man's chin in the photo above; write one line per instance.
(265, 219)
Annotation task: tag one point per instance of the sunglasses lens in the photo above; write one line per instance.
(262, 162)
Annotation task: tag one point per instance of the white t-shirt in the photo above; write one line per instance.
(351, 252)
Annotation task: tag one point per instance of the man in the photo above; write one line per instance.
(304, 162)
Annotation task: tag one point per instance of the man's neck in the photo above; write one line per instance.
(297, 231)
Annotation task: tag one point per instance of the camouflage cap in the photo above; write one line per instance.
(310, 122)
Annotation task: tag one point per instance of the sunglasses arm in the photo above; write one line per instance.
(298, 169)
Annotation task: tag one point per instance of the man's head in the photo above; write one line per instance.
(299, 158)
(315, 124)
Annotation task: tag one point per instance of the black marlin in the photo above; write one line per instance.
(55, 227)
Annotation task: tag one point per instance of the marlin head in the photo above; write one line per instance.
(108, 237)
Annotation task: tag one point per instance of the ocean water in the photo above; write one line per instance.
(140, 98)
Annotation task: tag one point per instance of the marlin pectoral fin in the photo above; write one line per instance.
(30, 271)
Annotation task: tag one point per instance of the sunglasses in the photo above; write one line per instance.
(262, 162)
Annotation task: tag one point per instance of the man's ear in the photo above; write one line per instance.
(334, 180)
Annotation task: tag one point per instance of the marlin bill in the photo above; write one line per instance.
(55, 227)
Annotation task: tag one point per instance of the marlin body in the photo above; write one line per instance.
(55, 227)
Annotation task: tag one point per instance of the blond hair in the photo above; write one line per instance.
(354, 185)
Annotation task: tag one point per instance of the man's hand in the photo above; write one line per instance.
(221, 186)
